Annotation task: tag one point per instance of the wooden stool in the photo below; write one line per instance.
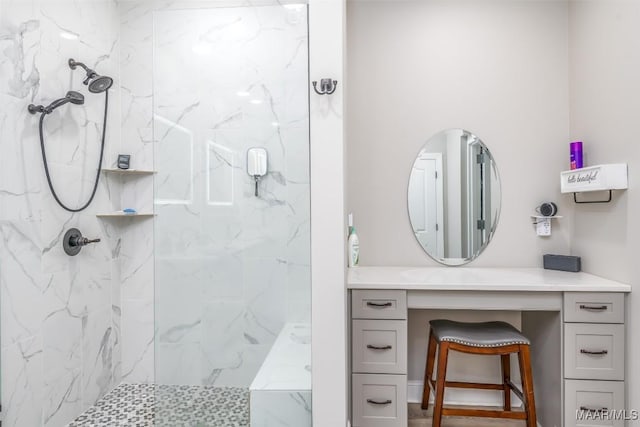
(497, 338)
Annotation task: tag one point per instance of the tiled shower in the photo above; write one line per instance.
(194, 295)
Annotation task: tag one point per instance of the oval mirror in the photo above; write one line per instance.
(454, 197)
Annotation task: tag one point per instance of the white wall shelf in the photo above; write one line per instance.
(607, 177)
(546, 217)
(594, 178)
(128, 171)
(118, 214)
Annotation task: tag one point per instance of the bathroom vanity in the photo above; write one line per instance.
(575, 322)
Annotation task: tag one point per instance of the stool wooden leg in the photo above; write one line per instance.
(428, 371)
(524, 358)
(506, 377)
(440, 383)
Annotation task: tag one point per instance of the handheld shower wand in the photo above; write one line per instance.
(72, 96)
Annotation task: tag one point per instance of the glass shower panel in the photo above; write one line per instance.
(232, 269)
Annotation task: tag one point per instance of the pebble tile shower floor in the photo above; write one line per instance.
(150, 405)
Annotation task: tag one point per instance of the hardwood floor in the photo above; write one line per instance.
(420, 418)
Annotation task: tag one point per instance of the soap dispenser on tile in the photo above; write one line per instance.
(353, 244)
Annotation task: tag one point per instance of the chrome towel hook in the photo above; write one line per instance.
(327, 86)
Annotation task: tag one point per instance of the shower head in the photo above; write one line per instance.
(100, 84)
(71, 96)
(95, 82)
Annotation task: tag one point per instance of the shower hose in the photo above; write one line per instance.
(46, 166)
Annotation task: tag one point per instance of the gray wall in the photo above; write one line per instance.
(604, 42)
(416, 68)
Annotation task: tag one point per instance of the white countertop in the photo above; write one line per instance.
(479, 279)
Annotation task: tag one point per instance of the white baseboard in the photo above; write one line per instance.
(462, 396)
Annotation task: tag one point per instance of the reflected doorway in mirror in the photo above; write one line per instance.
(426, 202)
(454, 197)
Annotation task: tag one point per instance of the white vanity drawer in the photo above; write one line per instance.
(379, 400)
(587, 403)
(590, 307)
(594, 351)
(379, 346)
(374, 304)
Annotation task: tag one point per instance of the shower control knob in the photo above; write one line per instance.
(74, 241)
(84, 241)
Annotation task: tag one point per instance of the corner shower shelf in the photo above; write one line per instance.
(128, 171)
(125, 215)
(606, 177)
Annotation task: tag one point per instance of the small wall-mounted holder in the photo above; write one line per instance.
(124, 161)
(543, 224)
(257, 164)
(327, 86)
(73, 242)
(607, 177)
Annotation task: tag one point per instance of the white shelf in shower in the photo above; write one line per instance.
(128, 171)
(125, 215)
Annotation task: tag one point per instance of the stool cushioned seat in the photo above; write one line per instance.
(486, 334)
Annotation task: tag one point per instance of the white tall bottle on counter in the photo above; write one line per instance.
(353, 244)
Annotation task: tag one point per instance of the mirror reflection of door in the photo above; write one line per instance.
(454, 196)
(478, 195)
(426, 203)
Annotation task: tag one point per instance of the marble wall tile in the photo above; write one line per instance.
(22, 380)
(137, 259)
(137, 341)
(21, 188)
(223, 339)
(62, 339)
(98, 342)
(116, 321)
(281, 408)
(298, 293)
(222, 277)
(181, 234)
(187, 356)
(244, 371)
(178, 295)
(62, 361)
(55, 309)
(265, 298)
(62, 397)
(22, 281)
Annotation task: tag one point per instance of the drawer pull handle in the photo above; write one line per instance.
(594, 353)
(379, 347)
(593, 307)
(379, 402)
(597, 410)
(379, 304)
